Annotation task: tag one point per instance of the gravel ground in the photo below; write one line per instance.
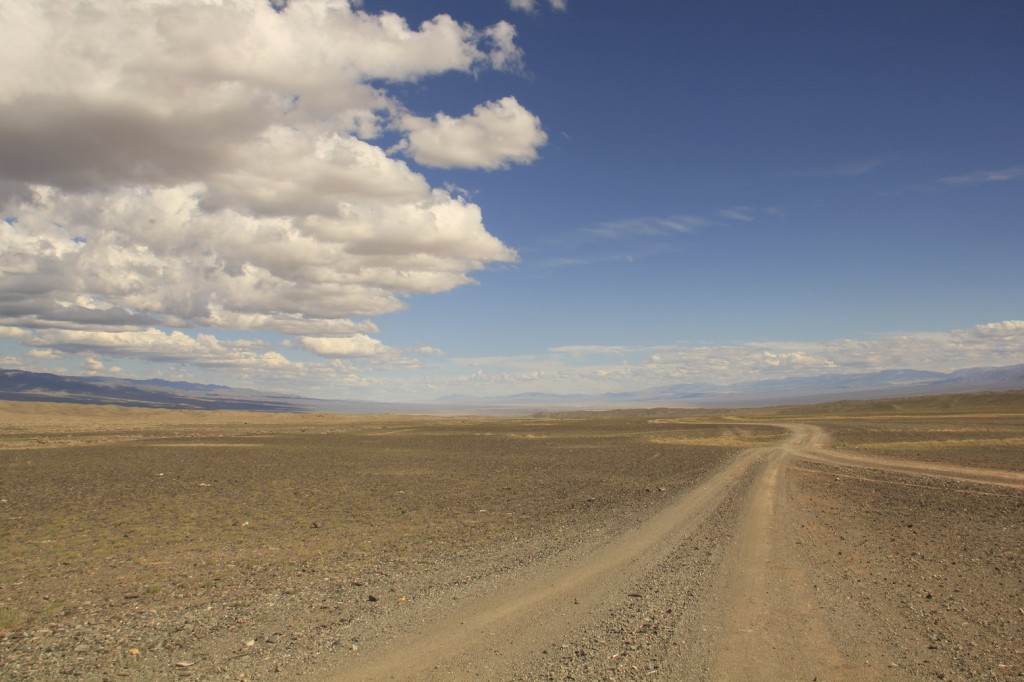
(142, 545)
(153, 545)
(934, 558)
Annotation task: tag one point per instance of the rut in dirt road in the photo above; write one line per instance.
(770, 628)
(820, 452)
(498, 636)
(753, 613)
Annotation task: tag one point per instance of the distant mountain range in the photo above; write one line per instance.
(820, 388)
(883, 384)
(34, 386)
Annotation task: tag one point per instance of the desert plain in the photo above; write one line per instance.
(872, 540)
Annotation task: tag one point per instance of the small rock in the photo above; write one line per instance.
(371, 598)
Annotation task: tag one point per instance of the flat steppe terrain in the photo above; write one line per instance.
(863, 540)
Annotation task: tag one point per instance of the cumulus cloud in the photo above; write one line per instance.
(44, 353)
(494, 135)
(357, 346)
(797, 360)
(505, 55)
(177, 163)
(1008, 329)
(91, 365)
(204, 350)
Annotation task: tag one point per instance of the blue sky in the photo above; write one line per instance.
(643, 193)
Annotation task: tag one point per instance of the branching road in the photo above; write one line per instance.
(719, 585)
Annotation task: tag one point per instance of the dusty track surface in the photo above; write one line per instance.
(603, 547)
(730, 582)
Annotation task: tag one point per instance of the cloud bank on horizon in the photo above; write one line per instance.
(600, 369)
(244, 189)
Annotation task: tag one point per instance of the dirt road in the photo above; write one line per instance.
(741, 577)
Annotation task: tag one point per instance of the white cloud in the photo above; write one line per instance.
(175, 163)
(983, 177)
(505, 55)
(597, 369)
(994, 344)
(357, 346)
(44, 353)
(7, 332)
(652, 232)
(741, 213)
(494, 135)
(531, 5)
(591, 350)
(795, 361)
(91, 365)
(1008, 329)
(648, 226)
(159, 346)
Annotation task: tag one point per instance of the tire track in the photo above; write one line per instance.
(819, 451)
(491, 637)
(764, 616)
(772, 627)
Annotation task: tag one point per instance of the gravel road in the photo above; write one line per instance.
(752, 575)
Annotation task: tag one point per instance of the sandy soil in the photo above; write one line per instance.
(154, 545)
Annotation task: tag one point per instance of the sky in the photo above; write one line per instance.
(414, 199)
